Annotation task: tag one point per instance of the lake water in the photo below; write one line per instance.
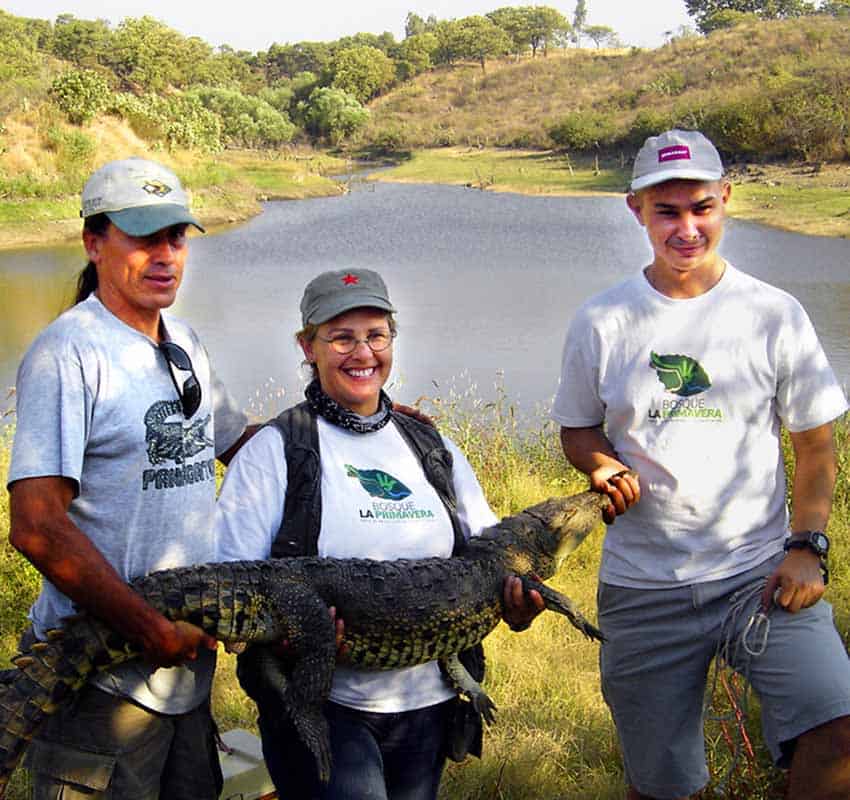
(484, 283)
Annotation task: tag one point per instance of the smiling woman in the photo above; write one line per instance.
(348, 336)
(344, 475)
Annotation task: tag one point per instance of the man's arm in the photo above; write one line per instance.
(590, 452)
(227, 456)
(798, 578)
(44, 533)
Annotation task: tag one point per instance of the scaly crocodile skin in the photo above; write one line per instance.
(397, 613)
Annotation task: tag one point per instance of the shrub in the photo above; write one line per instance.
(173, 121)
(647, 122)
(742, 125)
(814, 124)
(246, 121)
(81, 94)
(583, 130)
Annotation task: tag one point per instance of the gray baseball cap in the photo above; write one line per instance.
(332, 293)
(139, 196)
(676, 155)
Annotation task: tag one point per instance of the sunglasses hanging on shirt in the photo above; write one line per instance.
(190, 393)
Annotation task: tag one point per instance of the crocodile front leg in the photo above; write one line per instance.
(463, 682)
(560, 603)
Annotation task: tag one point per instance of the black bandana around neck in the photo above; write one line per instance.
(334, 413)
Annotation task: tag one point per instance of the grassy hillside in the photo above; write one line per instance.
(778, 89)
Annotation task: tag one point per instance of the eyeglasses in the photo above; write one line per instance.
(345, 343)
(190, 394)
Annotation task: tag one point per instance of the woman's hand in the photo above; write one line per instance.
(520, 608)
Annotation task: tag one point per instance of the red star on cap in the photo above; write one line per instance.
(349, 279)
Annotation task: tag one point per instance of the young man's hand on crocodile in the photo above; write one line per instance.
(396, 613)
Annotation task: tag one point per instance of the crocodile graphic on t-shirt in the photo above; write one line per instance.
(379, 483)
(681, 375)
(170, 440)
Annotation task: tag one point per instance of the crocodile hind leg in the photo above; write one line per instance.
(463, 682)
(303, 688)
(560, 603)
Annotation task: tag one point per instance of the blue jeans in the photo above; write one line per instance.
(375, 756)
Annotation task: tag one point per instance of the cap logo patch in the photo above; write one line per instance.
(350, 279)
(157, 187)
(675, 152)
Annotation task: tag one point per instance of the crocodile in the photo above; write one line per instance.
(397, 614)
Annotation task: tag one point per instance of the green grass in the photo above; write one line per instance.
(553, 739)
(817, 210)
(225, 188)
(531, 172)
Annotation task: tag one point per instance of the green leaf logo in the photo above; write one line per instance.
(378, 483)
(681, 375)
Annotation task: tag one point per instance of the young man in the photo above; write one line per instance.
(685, 373)
(119, 422)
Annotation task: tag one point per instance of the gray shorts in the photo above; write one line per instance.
(104, 747)
(655, 666)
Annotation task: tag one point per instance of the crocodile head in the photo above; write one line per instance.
(557, 527)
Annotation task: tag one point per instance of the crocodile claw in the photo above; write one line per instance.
(313, 729)
(485, 707)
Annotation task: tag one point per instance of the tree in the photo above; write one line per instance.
(530, 26)
(414, 25)
(601, 34)
(415, 55)
(579, 20)
(80, 41)
(287, 60)
(363, 72)
(514, 22)
(146, 53)
(448, 42)
(544, 25)
(725, 19)
(704, 10)
(479, 39)
(334, 113)
(837, 8)
(384, 42)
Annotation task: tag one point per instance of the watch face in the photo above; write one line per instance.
(820, 542)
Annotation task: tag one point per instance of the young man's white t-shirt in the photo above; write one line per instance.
(692, 393)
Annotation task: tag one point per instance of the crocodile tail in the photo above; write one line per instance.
(28, 695)
(46, 677)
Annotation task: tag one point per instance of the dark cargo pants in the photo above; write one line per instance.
(104, 747)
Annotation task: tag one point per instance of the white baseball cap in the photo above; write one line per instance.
(676, 155)
(139, 196)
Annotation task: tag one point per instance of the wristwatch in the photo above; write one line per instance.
(816, 541)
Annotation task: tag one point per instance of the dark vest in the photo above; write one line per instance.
(302, 510)
(302, 521)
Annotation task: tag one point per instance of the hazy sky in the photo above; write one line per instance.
(256, 24)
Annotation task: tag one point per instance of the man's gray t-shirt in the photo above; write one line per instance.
(96, 403)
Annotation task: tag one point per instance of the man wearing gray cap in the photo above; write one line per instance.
(686, 373)
(120, 419)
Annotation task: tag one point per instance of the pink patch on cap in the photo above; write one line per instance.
(675, 152)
